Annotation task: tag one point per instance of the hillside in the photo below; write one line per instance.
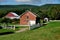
(51, 9)
(17, 6)
(47, 6)
(43, 7)
(47, 32)
(19, 9)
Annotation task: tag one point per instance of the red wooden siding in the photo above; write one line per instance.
(25, 17)
(10, 15)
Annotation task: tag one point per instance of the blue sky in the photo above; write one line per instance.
(32, 2)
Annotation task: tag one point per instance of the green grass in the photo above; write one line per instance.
(19, 27)
(11, 30)
(5, 31)
(9, 24)
(51, 31)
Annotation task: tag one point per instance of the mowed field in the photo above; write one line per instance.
(51, 31)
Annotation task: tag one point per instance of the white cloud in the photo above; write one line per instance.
(23, 0)
(37, 2)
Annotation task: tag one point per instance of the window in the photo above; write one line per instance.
(27, 17)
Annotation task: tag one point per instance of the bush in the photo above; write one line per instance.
(0, 27)
(44, 21)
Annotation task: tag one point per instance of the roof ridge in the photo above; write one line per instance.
(14, 13)
(28, 11)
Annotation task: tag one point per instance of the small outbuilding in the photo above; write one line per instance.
(12, 15)
(29, 18)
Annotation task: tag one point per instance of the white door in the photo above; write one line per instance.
(32, 22)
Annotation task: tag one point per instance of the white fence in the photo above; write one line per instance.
(9, 27)
(34, 26)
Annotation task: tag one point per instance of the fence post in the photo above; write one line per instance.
(14, 27)
(4, 27)
(29, 27)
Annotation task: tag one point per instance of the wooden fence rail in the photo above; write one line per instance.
(9, 27)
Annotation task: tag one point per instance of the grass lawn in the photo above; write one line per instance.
(6, 31)
(9, 31)
(19, 27)
(51, 31)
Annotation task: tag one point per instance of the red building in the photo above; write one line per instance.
(29, 18)
(12, 15)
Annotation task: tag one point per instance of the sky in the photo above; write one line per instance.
(31, 2)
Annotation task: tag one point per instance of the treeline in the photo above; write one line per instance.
(52, 11)
(19, 9)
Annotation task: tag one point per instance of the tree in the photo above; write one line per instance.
(6, 21)
(53, 13)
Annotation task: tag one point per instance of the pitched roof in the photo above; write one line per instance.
(36, 15)
(12, 14)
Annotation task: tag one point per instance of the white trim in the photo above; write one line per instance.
(24, 25)
(14, 13)
(28, 11)
(32, 14)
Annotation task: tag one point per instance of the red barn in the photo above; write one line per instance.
(29, 18)
(12, 15)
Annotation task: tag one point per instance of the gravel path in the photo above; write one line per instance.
(22, 29)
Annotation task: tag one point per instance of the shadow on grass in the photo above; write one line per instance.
(5, 33)
(44, 24)
(0, 27)
(40, 26)
(35, 28)
(16, 27)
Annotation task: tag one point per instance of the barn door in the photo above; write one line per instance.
(32, 22)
